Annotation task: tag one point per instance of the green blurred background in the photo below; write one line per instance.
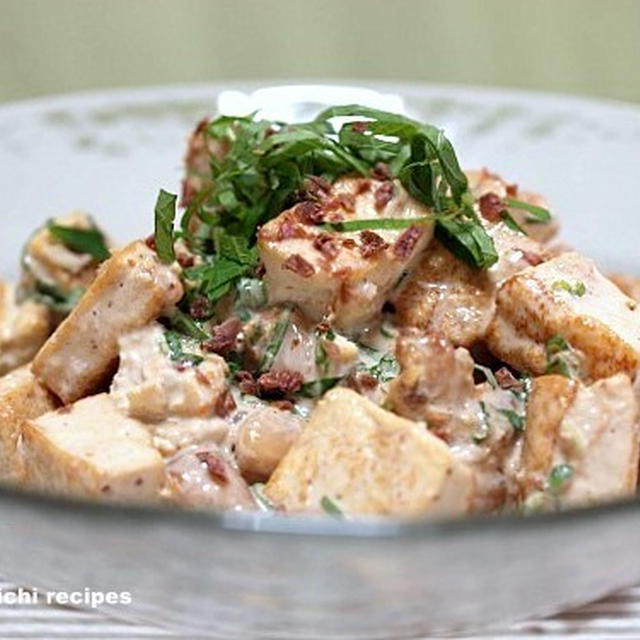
(575, 46)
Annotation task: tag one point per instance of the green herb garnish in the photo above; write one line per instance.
(515, 419)
(257, 491)
(174, 342)
(316, 388)
(537, 215)
(165, 213)
(561, 358)
(482, 432)
(183, 323)
(330, 507)
(87, 241)
(376, 224)
(558, 476)
(54, 298)
(510, 222)
(277, 337)
(577, 289)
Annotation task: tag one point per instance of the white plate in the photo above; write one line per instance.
(235, 576)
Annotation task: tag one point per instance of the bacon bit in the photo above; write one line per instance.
(363, 186)
(290, 229)
(512, 190)
(405, 244)
(381, 171)
(507, 380)
(260, 270)
(360, 127)
(372, 244)
(323, 326)
(316, 186)
(534, 259)
(223, 336)
(200, 308)
(349, 243)
(283, 405)
(342, 201)
(275, 384)
(490, 206)
(150, 241)
(185, 260)
(299, 266)
(326, 245)
(246, 382)
(309, 212)
(216, 468)
(383, 195)
(225, 404)
(361, 382)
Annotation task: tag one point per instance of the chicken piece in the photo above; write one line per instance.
(478, 422)
(447, 295)
(22, 398)
(201, 477)
(570, 298)
(482, 183)
(349, 275)
(54, 272)
(24, 328)
(90, 450)
(200, 149)
(264, 437)
(629, 285)
(369, 461)
(151, 387)
(131, 289)
(581, 443)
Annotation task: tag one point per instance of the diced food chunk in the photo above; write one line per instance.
(153, 384)
(581, 443)
(348, 275)
(264, 437)
(131, 289)
(202, 477)
(566, 298)
(90, 450)
(369, 461)
(22, 398)
(445, 294)
(24, 328)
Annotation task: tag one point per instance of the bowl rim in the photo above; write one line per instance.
(314, 525)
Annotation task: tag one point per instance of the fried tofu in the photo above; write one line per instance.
(445, 294)
(349, 275)
(567, 297)
(581, 442)
(22, 398)
(24, 328)
(131, 289)
(369, 461)
(90, 450)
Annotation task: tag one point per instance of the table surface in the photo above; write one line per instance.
(616, 617)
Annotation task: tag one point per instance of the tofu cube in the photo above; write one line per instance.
(131, 289)
(22, 398)
(24, 328)
(581, 442)
(90, 450)
(347, 275)
(369, 461)
(568, 297)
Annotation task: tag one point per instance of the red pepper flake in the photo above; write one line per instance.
(371, 244)
(275, 384)
(381, 171)
(246, 382)
(490, 206)
(406, 243)
(216, 467)
(200, 308)
(531, 257)
(309, 212)
(225, 404)
(325, 244)
(383, 195)
(299, 266)
(512, 190)
(360, 127)
(223, 336)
